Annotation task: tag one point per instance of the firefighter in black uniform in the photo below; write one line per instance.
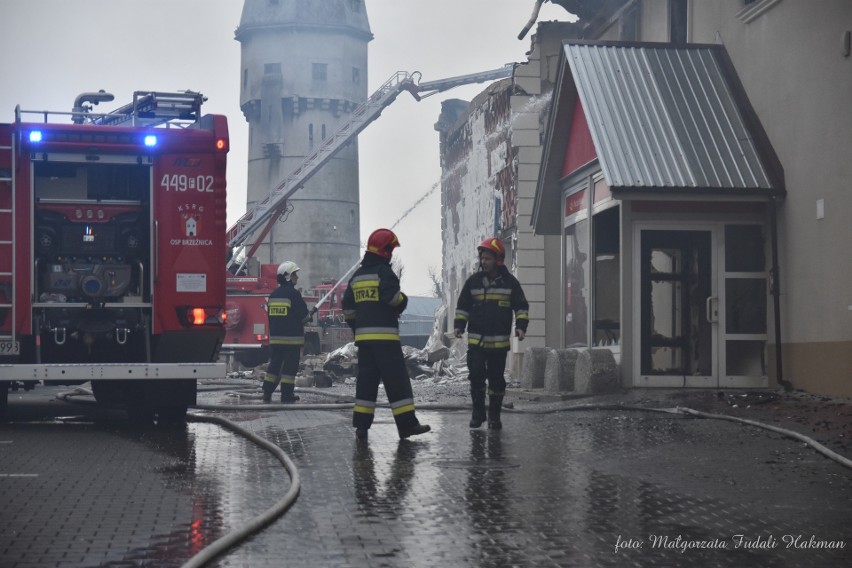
(485, 307)
(288, 314)
(371, 305)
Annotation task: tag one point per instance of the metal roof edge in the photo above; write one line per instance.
(540, 221)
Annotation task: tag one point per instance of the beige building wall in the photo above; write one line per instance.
(794, 62)
(539, 257)
(792, 59)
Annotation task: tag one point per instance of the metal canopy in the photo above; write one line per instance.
(671, 119)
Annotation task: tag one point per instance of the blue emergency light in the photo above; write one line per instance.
(150, 140)
(35, 136)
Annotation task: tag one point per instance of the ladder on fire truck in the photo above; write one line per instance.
(8, 340)
(153, 108)
(268, 210)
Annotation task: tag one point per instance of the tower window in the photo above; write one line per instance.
(323, 131)
(356, 76)
(678, 13)
(270, 68)
(311, 133)
(320, 71)
(629, 26)
(245, 78)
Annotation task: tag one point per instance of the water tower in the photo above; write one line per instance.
(303, 71)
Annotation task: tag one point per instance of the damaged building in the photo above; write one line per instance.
(490, 156)
(676, 199)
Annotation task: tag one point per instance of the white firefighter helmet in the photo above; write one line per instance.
(287, 268)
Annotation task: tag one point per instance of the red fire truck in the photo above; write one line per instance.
(246, 326)
(247, 338)
(247, 334)
(112, 232)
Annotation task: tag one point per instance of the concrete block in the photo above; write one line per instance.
(526, 138)
(530, 258)
(532, 375)
(530, 241)
(595, 372)
(538, 310)
(532, 276)
(533, 292)
(438, 354)
(529, 155)
(559, 370)
(529, 69)
(525, 103)
(528, 172)
(525, 121)
(322, 380)
(526, 204)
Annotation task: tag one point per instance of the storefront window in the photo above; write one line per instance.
(606, 321)
(576, 284)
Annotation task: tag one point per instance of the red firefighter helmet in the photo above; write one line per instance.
(494, 245)
(382, 242)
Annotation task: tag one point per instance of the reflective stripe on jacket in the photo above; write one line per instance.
(485, 307)
(373, 301)
(287, 313)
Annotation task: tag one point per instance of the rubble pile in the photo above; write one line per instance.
(443, 359)
(438, 363)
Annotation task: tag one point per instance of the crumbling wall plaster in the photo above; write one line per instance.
(478, 193)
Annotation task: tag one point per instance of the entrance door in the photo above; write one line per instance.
(701, 303)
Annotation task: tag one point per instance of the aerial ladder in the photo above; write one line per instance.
(266, 212)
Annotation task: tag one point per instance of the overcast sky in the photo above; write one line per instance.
(55, 49)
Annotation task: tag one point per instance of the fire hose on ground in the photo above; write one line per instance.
(255, 525)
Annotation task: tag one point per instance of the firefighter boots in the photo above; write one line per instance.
(495, 403)
(287, 396)
(268, 389)
(479, 415)
(408, 431)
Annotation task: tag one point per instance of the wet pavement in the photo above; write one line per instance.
(578, 488)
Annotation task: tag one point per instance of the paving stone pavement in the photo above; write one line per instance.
(558, 489)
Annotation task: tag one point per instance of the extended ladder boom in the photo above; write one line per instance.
(151, 108)
(360, 118)
(428, 88)
(269, 209)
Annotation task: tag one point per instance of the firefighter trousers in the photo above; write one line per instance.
(383, 362)
(283, 366)
(486, 364)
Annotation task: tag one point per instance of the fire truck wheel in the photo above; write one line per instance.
(108, 392)
(252, 357)
(140, 414)
(171, 414)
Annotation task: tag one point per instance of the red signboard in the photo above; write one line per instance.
(575, 203)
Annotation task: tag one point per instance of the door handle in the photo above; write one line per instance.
(710, 311)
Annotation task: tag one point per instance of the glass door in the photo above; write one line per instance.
(677, 340)
(742, 311)
(701, 306)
